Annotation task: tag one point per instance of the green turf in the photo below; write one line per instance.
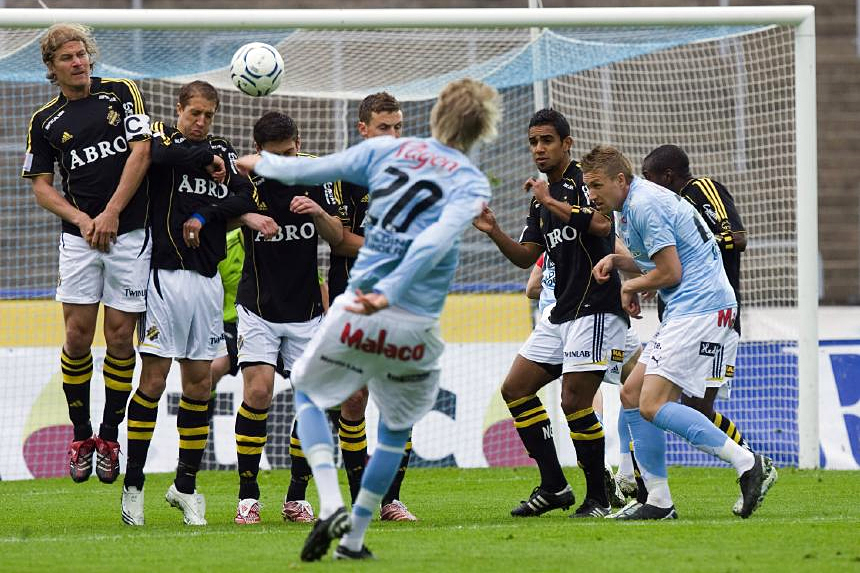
(810, 522)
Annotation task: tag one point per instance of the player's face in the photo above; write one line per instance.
(663, 178)
(604, 191)
(195, 118)
(285, 147)
(71, 65)
(549, 151)
(382, 123)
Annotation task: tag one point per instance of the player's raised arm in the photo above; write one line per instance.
(345, 165)
(164, 152)
(583, 219)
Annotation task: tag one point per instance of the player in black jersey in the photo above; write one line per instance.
(196, 190)
(278, 301)
(378, 114)
(583, 337)
(96, 131)
(669, 166)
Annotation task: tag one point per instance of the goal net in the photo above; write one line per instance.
(725, 93)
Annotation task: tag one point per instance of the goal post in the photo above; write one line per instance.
(734, 86)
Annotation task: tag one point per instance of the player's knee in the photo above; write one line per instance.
(119, 337)
(354, 407)
(649, 408)
(258, 396)
(629, 396)
(79, 338)
(510, 391)
(152, 383)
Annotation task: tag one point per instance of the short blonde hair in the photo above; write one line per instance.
(57, 35)
(467, 111)
(609, 160)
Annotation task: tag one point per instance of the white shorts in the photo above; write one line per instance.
(590, 343)
(693, 352)
(394, 352)
(117, 278)
(259, 340)
(183, 315)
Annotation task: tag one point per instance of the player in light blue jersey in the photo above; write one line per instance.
(384, 330)
(676, 252)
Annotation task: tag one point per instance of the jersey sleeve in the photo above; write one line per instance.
(326, 197)
(717, 207)
(344, 201)
(136, 121)
(241, 198)
(350, 164)
(532, 232)
(164, 152)
(580, 218)
(39, 157)
(434, 242)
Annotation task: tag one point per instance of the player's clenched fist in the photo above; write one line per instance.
(603, 269)
(246, 163)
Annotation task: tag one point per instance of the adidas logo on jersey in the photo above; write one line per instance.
(66, 137)
(378, 345)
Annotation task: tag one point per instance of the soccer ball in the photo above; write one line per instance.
(256, 69)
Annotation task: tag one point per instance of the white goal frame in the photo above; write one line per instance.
(802, 18)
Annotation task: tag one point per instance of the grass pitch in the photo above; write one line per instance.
(810, 521)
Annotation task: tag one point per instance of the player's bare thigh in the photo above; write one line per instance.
(80, 323)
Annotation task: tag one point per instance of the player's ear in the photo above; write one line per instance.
(257, 148)
(298, 144)
(178, 108)
(362, 128)
(567, 144)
